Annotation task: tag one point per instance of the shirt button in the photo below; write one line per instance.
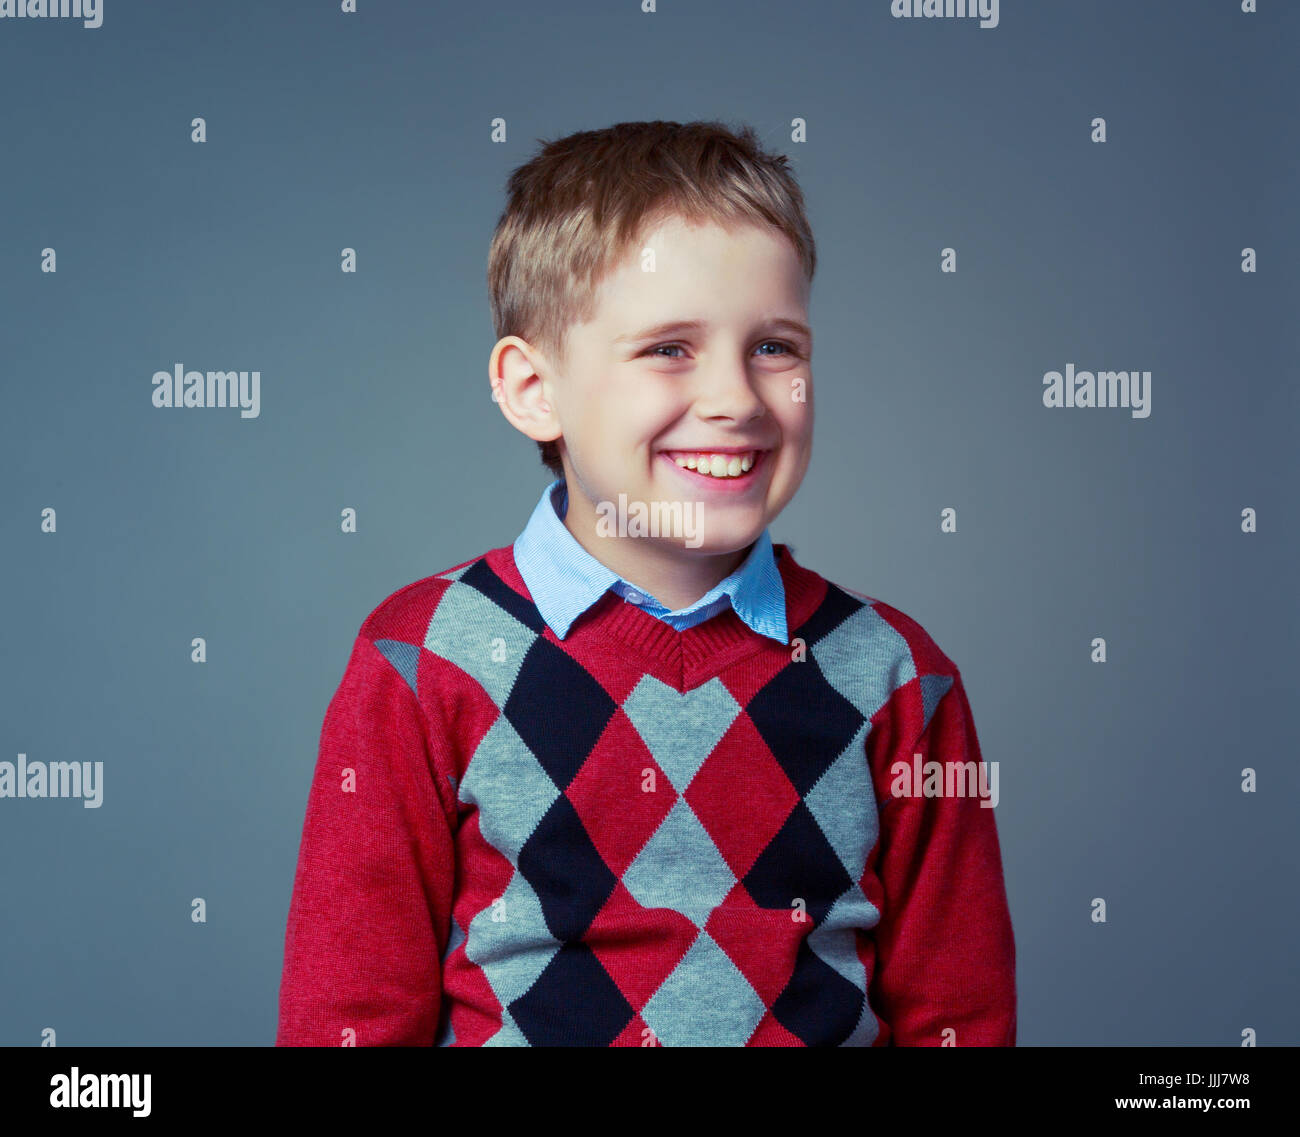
(634, 597)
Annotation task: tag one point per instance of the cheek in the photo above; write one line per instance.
(647, 408)
(588, 408)
(795, 417)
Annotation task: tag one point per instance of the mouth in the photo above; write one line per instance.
(728, 469)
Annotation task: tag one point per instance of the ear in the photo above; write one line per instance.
(515, 374)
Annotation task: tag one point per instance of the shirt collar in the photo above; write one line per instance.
(565, 580)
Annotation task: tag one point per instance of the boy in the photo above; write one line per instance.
(631, 780)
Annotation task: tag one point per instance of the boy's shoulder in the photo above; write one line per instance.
(407, 613)
(886, 636)
(879, 658)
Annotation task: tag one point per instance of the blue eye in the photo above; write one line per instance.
(670, 346)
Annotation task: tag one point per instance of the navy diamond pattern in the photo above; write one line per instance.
(798, 863)
(560, 731)
(804, 746)
(570, 877)
(818, 1005)
(573, 1003)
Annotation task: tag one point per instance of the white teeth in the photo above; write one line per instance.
(718, 465)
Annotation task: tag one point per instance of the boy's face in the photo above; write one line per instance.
(638, 389)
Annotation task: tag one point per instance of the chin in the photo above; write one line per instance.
(718, 540)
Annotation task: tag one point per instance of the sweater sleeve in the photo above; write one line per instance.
(371, 902)
(945, 949)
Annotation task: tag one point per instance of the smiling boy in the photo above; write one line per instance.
(612, 785)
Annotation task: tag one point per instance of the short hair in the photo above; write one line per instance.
(574, 210)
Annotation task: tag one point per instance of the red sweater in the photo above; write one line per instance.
(641, 836)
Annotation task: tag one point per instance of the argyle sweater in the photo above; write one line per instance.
(643, 836)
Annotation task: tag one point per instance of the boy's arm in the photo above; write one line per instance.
(945, 954)
(372, 893)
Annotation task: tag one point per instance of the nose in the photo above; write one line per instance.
(725, 391)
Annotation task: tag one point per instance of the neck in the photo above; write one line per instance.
(674, 576)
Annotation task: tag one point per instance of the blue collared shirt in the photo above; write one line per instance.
(565, 580)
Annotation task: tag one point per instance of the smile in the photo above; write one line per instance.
(714, 464)
(730, 470)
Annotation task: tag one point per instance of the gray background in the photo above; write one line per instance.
(372, 131)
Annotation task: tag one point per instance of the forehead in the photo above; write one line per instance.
(683, 237)
(694, 264)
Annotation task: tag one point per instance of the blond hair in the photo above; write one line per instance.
(574, 210)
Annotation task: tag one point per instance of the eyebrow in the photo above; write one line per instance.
(673, 326)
